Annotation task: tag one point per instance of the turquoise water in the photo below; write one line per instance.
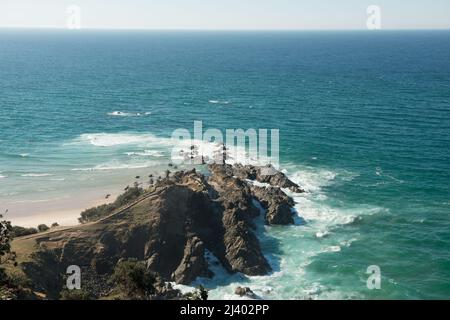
(364, 122)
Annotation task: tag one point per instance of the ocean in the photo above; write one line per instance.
(364, 121)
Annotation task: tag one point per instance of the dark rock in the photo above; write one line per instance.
(193, 263)
(245, 292)
(277, 205)
(267, 175)
(242, 249)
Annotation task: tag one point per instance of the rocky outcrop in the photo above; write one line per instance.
(277, 204)
(267, 175)
(193, 263)
(242, 250)
(245, 292)
(173, 224)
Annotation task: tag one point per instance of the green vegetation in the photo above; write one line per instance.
(5, 237)
(21, 231)
(11, 286)
(75, 295)
(198, 294)
(132, 279)
(42, 228)
(99, 212)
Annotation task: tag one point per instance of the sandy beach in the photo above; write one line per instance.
(64, 211)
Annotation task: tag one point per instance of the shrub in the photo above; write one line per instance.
(99, 212)
(5, 236)
(133, 279)
(21, 231)
(75, 295)
(5, 246)
(42, 227)
(198, 294)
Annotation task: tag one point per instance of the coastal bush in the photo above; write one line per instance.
(75, 295)
(21, 231)
(130, 195)
(99, 212)
(42, 227)
(198, 294)
(5, 249)
(132, 279)
(5, 237)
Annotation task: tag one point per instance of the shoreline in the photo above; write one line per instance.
(64, 211)
(65, 208)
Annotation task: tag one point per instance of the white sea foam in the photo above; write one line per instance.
(322, 234)
(117, 139)
(146, 153)
(128, 114)
(259, 184)
(331, 249)
(36, 175)
(219, 101)
(180, 150)
(3, 177)
(118, 166)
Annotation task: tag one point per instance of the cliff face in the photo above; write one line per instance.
(170, 227)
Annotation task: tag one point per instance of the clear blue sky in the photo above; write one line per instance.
(227, 14)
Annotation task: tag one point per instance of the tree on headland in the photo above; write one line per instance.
(5, 236)
(5, 249)
(221, 155)
(43, 227)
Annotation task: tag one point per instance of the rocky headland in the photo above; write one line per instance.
(169, 226)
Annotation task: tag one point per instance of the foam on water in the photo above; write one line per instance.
(146, 153)
(219, 102)
(117, 139)
(127, 114)
(118, 166)
(36, 175)
(291, 249)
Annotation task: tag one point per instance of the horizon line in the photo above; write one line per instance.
(215, 30)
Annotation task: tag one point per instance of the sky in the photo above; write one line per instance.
(225, 14)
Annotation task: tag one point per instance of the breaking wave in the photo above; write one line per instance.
(128, 114)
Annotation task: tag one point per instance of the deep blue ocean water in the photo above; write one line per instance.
(364, 122)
